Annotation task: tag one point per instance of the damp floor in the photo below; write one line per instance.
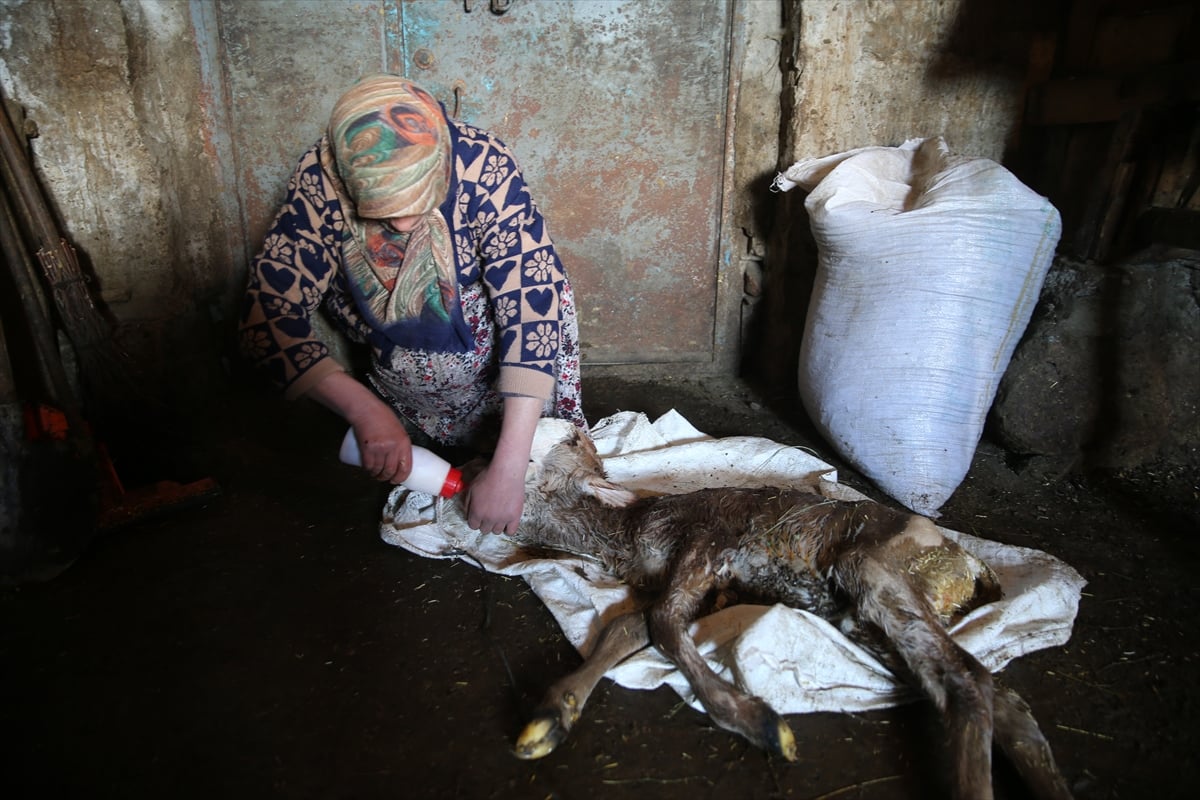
(267, 644)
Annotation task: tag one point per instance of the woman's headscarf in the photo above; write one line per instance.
(389, 155)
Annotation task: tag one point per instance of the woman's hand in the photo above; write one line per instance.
(497, 496)
(495, 499)
(383, 444)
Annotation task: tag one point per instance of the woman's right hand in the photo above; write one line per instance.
(383, 444)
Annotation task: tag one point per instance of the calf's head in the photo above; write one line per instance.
(564, 465)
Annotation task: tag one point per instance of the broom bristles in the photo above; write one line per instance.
(108, 368)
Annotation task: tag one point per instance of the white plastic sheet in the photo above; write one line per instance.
(794, 660)
(929, 268)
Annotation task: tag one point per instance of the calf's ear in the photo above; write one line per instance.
(608, 494)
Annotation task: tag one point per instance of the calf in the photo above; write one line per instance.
(892, 575)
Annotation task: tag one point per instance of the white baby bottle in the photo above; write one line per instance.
(430, 474)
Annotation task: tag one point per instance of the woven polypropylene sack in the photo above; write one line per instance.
(930, 267)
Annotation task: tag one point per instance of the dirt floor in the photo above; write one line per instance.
(268, 644)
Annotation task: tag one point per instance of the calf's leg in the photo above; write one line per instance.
(1021, 739)
(727, 706)
(564, 701)
(958, 684)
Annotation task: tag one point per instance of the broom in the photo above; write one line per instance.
(48, 494)
(107, 367)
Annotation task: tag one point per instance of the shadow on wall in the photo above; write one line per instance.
(998, 39)
(771, 346)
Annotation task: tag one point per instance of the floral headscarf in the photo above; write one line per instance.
(388, 154)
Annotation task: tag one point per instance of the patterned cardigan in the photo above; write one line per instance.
(500, 239)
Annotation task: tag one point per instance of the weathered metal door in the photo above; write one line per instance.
(616, 110)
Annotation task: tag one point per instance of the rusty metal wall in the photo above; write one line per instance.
(616, 110)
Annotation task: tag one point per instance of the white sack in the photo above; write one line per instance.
(930, 267)
(794, 660)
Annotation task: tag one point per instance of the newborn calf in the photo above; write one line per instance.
(893, 575)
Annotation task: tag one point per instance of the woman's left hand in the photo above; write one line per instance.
(495, 499)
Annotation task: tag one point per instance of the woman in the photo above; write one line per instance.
(418, 235)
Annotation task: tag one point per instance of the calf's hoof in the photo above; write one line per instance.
(765, 729)
(782, 740)
(539, 738)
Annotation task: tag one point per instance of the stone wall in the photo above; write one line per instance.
(1108, 375)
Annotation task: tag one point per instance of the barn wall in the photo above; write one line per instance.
(866, 73)
(141, 169)
(114, 96)
(877, 73)
(130, 128)
(1092, 103)
(137, 168)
